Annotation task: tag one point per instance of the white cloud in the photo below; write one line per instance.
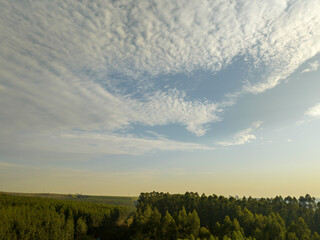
(59, 59)
(314, 111)
(313, 66)
(69, 102)
(242, 137)
(87, 145)
(286, 42)
(160, 37)
(52, 61)
(172, 107)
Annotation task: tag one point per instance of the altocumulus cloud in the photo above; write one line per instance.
(314, 111)
(313, 66)
(59, 58)
(242, 137)
(52, 61)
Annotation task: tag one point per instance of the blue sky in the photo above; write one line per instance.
(121, 97)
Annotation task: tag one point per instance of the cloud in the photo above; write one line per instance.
(68, 102)
(87, 145)
(56, 71)
(242, 137)
(158, 37)
(68, 65)
(172, 107)
(313, 66)
(314, 111)
(286, 42)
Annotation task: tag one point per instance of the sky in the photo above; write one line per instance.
(122, 97)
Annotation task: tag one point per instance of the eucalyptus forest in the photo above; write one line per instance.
(161, 216)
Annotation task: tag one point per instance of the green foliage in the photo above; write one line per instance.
(300, 229)
(315, 236)
(213, 217)
(168, 227)
(193, 223)
(204, 233)
(161, 216)
(81, 228)
(40, 218)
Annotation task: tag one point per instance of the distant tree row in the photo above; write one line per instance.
(161, 216)
(42, 218)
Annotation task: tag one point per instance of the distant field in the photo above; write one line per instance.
(114, 200)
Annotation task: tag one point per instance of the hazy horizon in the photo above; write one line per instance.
(117, 98)
(37, 194)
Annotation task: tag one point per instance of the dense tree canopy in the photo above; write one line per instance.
(162, 216)
(217, 217)
(40, 218)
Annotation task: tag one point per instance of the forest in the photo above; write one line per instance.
(162, 216)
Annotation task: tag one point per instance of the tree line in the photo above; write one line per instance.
(38, 218)
(162, 216)
(190, 216)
